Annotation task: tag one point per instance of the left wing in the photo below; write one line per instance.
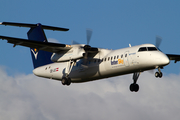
(173, 57)
(46, 46)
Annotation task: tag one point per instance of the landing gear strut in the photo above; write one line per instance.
(134, 87)
(159, 73)
(67, 80)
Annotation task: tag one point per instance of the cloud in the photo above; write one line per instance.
(29, 97)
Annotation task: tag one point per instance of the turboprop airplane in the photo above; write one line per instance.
(83, 63)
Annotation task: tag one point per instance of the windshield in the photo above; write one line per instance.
(142, 49)
(147, 49)
(152, 49)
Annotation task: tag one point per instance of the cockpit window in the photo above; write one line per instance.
(152, 49)
(142, 49)
(147, 49)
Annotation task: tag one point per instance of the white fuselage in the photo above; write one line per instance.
(107, 63)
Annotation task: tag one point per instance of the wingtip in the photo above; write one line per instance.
(0, 23)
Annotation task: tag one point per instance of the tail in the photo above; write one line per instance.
(40, 57)
(36, 33)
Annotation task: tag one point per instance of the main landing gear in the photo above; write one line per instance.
(134, 87)
(67, 80)
(159, 73)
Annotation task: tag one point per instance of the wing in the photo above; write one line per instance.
(46, 46)
(173, 57)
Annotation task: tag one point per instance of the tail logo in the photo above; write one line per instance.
(35, 52)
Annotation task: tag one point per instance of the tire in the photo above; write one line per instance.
(68, 81)
(157, 74)
(160, 75)
(131, 87)
(64, 81)
(134, 87)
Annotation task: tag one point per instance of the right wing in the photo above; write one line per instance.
(173, 57)
(46, 46)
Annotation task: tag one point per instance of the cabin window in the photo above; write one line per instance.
(104, 59)
(142, 49)
(121, 56)
(125, 55)
(117, 56)
(111, 58)
(114, 57)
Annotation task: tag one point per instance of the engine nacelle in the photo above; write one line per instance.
(73, 54)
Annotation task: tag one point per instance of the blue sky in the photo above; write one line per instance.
(115, 24)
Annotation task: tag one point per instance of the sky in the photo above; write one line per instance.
(115, 25)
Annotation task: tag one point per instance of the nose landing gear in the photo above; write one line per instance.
(159, 73)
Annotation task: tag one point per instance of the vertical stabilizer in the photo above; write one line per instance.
(39, 57)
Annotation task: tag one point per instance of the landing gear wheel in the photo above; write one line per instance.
(134, 87)
(66, 81)
(159, 74)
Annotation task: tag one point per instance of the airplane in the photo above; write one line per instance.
(79, 63)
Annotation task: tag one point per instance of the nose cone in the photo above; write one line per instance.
(160, 59)
(165, 60)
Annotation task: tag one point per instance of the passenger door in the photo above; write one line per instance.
(126, 60)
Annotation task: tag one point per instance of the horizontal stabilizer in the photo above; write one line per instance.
(34, 25)
(46, 46)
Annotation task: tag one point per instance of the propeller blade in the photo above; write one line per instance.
(158, 41)
(89, 34)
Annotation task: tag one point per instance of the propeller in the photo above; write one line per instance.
(158, 42)
(88, 49)
(88, 34)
